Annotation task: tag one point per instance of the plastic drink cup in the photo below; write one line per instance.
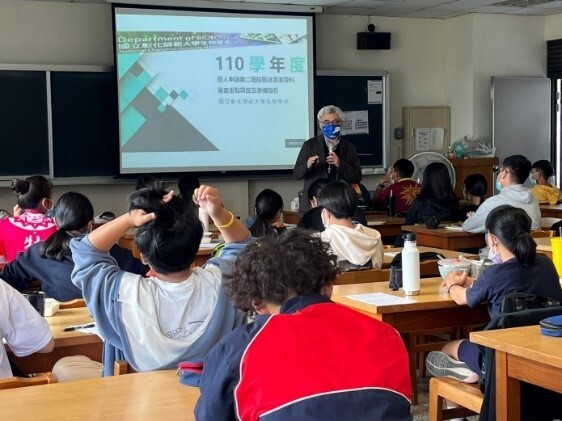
(556, 244)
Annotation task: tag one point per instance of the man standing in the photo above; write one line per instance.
(327, 155)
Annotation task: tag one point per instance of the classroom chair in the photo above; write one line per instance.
(37, 379)
(122, 367)
(472, 400)
(362, 276)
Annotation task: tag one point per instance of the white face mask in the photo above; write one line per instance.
(492, 255)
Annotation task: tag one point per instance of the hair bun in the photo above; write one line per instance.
(20, 186)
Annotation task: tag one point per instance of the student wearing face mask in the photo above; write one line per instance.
(30, 224)
(327, 155)
(509, 181)
(519, 269)
(356, 246)
(544, 191)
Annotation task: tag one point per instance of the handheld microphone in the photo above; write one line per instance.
(331, 149)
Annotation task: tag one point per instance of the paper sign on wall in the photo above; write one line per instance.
(374, 91)
(429, 139)
(355, 122)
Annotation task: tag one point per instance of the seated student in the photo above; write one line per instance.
(312, 219)
(179, 313)
(51, 262)
(543, 191)
(304, 356)
(268, 219)
(24, 330)
(519, 269)
(515, 170)
(474, 190)
(356, 246)
(398, 182)
(187, 185)
(29, 224)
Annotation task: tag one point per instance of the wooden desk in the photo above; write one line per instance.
(127, 241)
(543, 246)
(551, 211)
(522, 354)
(431, 309)
(388, 226)
(66, 343)
(449, 254)
(446, 239)
(151, 395)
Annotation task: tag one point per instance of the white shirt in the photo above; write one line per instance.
(23, 329)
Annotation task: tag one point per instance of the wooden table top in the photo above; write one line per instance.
(526, 342)
(70, 317)
(551, 211)
(431, 296)
(449, 254)
(140, 396)
(450, 239)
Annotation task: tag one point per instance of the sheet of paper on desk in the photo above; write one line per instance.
(208, 245)
(379, 299)
(391, 253)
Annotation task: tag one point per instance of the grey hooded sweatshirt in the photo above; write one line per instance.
(516, 196)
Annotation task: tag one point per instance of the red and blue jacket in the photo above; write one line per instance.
(316, 360)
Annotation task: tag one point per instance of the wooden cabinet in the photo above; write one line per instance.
(417, 118)
(464, 167)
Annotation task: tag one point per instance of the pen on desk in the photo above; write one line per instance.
(71, 328)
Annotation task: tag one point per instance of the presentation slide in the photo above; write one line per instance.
(210, 91)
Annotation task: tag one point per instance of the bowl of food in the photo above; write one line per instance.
(448, 265)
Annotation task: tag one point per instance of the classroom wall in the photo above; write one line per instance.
(432, 62)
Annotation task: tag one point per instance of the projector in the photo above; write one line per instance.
(373, 40)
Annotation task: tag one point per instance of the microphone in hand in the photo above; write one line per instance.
(331, 149)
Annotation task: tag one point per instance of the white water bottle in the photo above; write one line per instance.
(410, 266)
(295, 204)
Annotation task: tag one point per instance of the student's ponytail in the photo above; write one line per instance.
(524, 248)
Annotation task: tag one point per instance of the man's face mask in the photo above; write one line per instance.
(331, 131)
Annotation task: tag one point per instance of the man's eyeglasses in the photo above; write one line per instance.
(334, 122)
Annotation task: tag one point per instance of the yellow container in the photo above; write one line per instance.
(556, 245)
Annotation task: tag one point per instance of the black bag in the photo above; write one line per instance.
(395, 281)
(519, 301)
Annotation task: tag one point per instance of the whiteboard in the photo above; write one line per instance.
(521, 117)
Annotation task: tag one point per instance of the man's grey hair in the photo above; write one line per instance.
(330, 109)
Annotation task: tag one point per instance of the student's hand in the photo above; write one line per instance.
(277, 224)
(455, 277)
(333, 159)
(311, 161)
(208, 199)
(388, 176)
(470, 214)
(139, 217)
(168, 196)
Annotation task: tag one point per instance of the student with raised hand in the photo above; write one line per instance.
(304, 356)
(50, 261)
(24, 330)
(187, 185)
(519, 269)
(30, 224)
(514, 171)
(355, 245)
(543, 191)
(179, 313)
(269, 214)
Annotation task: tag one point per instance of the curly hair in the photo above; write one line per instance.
(170, 242)
(273, 269)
